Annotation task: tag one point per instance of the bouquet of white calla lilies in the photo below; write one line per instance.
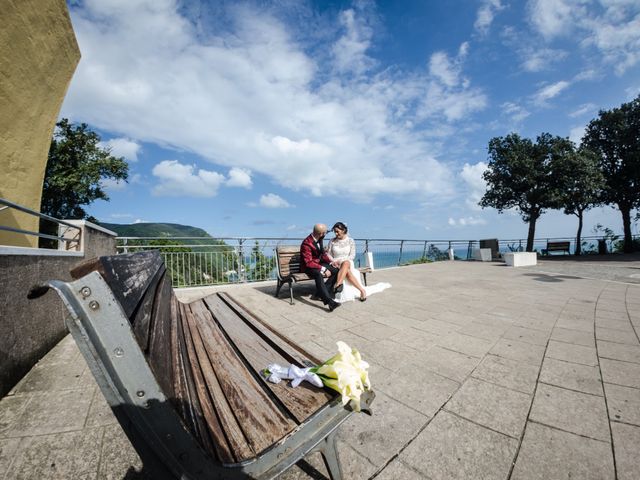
(345, 373)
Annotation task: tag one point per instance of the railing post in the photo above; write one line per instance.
(241, 272)
(125, 242)
(424, 250)
(400, 256)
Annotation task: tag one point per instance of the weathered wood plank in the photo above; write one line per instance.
(261, 421)
(217, 412)
(190, 408)
(142, 317)
(128, 275)
(300, 402)
(159, 347)
(284, 345)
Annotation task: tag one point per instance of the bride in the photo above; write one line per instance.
(342, 250)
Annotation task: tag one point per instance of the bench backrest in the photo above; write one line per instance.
(207, 356)
(558, 245)
(288, 260)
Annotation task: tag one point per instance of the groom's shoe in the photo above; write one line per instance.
(333, 306)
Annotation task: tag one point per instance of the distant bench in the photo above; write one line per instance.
(184, 380)
(288, 266)
(557, 247)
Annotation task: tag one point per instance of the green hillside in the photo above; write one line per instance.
(155, 230)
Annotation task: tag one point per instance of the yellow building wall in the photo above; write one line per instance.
(38, 55)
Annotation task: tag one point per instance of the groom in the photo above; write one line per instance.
(317, 264)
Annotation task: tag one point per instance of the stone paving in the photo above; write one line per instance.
(481, 372)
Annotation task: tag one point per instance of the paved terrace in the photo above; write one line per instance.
(481, 371)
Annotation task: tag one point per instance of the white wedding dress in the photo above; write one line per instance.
(345, 250)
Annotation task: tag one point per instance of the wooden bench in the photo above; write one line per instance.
(557, 247)
(184, 380)
(288, 268)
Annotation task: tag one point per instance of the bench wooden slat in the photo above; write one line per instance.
(228, 439)
(283, 345)
(258, 353)
(128, 275)
(189, 403)
(160, 341)
(142, 316)
(261, 421)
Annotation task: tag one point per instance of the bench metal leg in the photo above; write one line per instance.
(330, 456)
(364, 276)
(279, 286)
(291, 292)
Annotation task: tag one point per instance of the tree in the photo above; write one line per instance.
(615, 137)
(520, 175)
(581, 185)
(75, 169)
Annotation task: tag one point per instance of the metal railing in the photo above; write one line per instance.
(201, 261)
(69, 242)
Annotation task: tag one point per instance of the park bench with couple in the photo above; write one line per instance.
(333, 270)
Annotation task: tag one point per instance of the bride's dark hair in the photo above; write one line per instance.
(341, 226)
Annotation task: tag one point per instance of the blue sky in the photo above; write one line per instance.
(263, 118)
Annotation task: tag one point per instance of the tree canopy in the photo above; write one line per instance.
(520, 175)
(581, 185)
(615, 137)
(76, 166)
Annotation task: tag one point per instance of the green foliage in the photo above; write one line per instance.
(75, 169)
(147, 229)
(615, 137)
(520, 175)
(581, 184)
(261, 266)
(195, 261)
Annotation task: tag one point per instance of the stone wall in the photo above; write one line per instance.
(38, 55)
(30, 328)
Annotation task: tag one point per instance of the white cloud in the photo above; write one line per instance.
(349, 51)
(476, 186)
(123, 147)
(537, 59)
(612, 27)
(271, 200)
(466, 221)
(516, 112)
(486, 14)
(179, 180)
(113, 185)
(550, 91)
(121, 215)
(247, 94)
(583, 109)
(239, 177)
(576, 134)
(632, 92)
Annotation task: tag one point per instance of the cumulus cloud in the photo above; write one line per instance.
(486, 14)
(113, 185)
(476, 186)
(576, 134)
(466, 221)
(539, 59)
(515, 112)
(271, 200)
(611, 27)
(247, 93)
(179, 180)
(122, 147)
(239, 177)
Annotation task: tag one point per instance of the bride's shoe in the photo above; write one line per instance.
(363, 299)
(338, 289)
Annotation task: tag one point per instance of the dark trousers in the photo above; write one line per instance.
(323, 288)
